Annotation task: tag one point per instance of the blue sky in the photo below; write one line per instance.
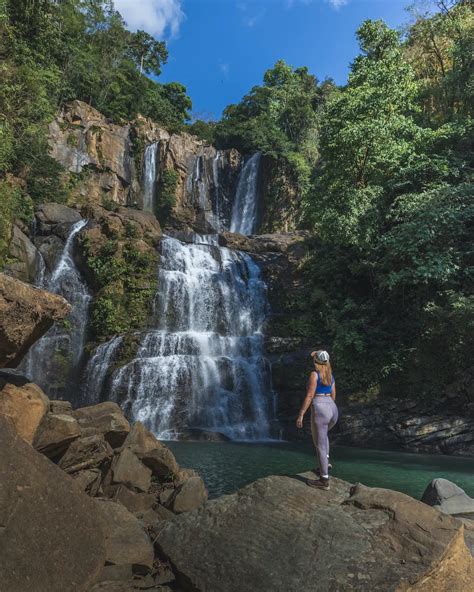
(219, 49)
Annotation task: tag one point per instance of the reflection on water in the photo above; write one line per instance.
(226, 467)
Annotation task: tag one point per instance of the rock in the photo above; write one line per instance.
(55, 433)
(134, 502)
(412, 424)
(189, 496)
(89, 481)
(115, 573)
(87, 452)
(25, 406)
(151, 452)
(26, 313)
(150, 518)
(448, 498)
(199, 435)
(61, 407)
(297, 538)
(49, 535)
(126, 542)
(23, 256)
(107, 418)
(51, 214)
(166, 495)
(127, 469)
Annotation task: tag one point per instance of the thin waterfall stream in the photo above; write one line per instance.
(53, 360)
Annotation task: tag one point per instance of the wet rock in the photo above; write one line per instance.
(448, 498)
(198, 435)
(26, 313)
(55, 434)
(87, 452)
(127, 469)
(24, 406)
(297, 538)
(49, 535)
(50, 248)
(190, 495)
(126, 542)
(151, 452)
(107, 418)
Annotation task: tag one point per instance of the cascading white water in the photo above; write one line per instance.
(245, 208)
(150, 161)
(51, 360)
(97, 370)
(203, 366)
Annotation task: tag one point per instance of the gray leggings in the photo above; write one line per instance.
(324, 416)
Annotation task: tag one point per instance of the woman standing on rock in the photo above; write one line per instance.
(321, 395)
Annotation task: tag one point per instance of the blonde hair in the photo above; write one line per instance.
(325, 372)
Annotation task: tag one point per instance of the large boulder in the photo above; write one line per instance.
(128, 470)
(151, 452)
(88, 452)
(55, 434)
(25, 406)
(448, 498)
(107, 418)
(126, 542)
(278, 534)
(50, 539)
(26, 313)
(190, 495)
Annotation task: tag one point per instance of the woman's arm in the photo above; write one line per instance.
(310, 391)
(333, 391)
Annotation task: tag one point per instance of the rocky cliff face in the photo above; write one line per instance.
(108, 162)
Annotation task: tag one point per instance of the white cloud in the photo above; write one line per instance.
(338, 3)
(160, 18)
(249, 17)
(334, 3)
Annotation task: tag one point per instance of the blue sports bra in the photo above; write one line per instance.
(323, 389)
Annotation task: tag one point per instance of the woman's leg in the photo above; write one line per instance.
(333, 421)
(321, 418)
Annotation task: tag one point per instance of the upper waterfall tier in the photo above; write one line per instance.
(245, 208)
(203, 365)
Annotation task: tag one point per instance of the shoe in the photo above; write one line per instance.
(317, 471)
(320, 483)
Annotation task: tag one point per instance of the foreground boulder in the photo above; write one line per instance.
(151, 452)
(50, 539)
(26, 313)
(277, 534)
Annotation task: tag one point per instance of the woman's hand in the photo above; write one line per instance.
(299, 422)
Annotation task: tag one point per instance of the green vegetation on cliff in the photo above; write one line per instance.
(53, 52)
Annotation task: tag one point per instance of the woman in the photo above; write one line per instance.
(322, 394)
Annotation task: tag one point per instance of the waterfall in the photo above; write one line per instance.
(245, 209)
(53, 359)
(97, 370)
(203, 365)
(149, 176)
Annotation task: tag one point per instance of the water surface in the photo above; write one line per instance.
(227, 466)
